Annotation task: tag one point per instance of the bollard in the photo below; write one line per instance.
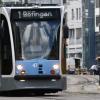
(98, 64)
(99, 74)
(99, 79)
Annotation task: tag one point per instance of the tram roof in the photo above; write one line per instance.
(11, 3)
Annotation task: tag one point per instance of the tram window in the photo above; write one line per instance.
(6, 55)
(54, 54)
(45, 46)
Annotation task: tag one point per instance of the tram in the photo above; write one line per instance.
(31, 48)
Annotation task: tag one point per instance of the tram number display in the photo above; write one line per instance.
(26, 14)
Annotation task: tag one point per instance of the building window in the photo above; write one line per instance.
(71, 34)
(97, 3)
(78, 33)
(71, 37)
(98, 20)
(80, 13)
(65, 16)
(72, 14)
(64, 1)
(99, 28)
(76, 13)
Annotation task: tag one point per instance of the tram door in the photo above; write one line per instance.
(0, 51)
(5, 48)
(0, 58)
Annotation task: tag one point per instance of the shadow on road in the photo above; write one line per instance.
(26, 94)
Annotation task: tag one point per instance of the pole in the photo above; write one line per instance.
(88, 33)
(99, 70)
(99, 78)
(98, 66)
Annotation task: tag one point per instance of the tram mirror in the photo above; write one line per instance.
(65, 31)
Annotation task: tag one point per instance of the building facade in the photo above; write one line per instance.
(47, 1)
(74, 22)
(97, 26)
(37, 1)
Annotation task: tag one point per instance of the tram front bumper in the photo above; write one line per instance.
(42, 84)
(33, 84)
(36, 77)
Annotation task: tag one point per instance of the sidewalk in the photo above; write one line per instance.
(83, 83)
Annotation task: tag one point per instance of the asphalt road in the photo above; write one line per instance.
(56, 96)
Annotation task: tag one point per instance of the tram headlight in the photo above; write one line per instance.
(56, 67)
(19, 67)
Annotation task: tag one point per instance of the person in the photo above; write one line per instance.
(94, 70)
(71, 69)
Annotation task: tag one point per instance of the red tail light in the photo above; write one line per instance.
(52, 72)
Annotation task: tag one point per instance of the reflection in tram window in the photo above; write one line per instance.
(38, 39)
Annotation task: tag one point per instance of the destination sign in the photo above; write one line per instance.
(35, 14)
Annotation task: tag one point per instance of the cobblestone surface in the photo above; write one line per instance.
(83, 83)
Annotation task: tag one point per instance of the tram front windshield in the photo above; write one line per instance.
(36, 39)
